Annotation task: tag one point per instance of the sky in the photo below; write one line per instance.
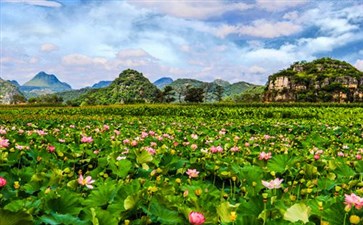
(85, 41)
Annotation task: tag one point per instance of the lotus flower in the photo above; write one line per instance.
(353, 200)
(4, 143)
(86, 139)
(273, 184)
(264, 156)
(86, 181)
(2, 182)
(196, 218)
(192, 173)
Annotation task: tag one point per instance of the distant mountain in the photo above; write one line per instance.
(15, 83)
(130, 87)
(9, 93)
(102, 84)
(162, 82)
(43, 83)
(210, 88)
(237, 88)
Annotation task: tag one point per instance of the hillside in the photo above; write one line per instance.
(9, 93)
(131, 86)
(322, 80)
(43, 83)
(211, 89)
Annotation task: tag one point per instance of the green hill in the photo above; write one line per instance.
(322, 80)
(130, 87)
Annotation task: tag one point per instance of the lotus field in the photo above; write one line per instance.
(180, 164)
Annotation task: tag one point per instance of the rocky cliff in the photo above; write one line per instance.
(322, 80)
(9, 93)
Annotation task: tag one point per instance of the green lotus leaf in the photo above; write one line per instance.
(15, 218)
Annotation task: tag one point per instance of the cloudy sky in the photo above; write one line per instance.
(85, 41)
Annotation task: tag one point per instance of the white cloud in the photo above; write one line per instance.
(33, 60)
(190, 9)
(279, 5)
(256, 70)
(77, 60)
(131, 53)
(44, 3)
(293, 15)
(260, 28)
(48, 47)
(359, 64)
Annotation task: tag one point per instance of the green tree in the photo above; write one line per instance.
(194, 95)
(218, 92)
(168, 94)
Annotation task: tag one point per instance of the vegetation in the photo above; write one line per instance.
(181, 164)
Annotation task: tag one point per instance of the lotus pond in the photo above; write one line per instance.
(179, 164)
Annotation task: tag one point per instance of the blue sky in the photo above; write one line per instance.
(85, 41)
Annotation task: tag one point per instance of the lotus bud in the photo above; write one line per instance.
(234, 178)
(178, 180)
(233, 216)
(254, 184)
(292, 197)
(198, 192)
(338, 188)
(158, 170)
(273, 173)
(16, 185)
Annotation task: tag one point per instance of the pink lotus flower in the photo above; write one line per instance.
(144, 135)
(41, 132)
(150, 150)
(51, 148)
(265, 156)
(152, 133)
(2, 131)
(106, 127)
(194, 146)
(358, 156)
(353, 200)
(194, 136)
(214, 149)
(235, 149)
(86, 181)
(192, 173)
(4, 143)
(340, 154)
(273, 184)
(247, 144)
(2, 182)
(196, 218)
(86, 139)
(133, 143)
(316, 156)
